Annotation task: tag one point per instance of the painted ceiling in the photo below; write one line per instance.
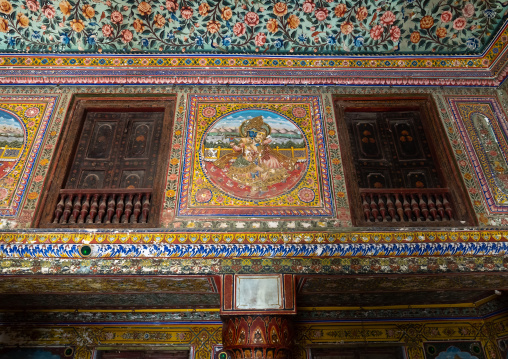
(323, 27)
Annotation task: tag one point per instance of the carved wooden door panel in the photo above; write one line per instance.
(117, 150)
(390, 150)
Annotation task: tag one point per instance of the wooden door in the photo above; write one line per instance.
(117, 151)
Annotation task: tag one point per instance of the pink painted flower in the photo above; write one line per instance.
(260, 39)
(126, 36)
(388, 18)
(239, 29)
(376, 32)
(116, 17)
(395, 33)
(446, 16)
(459, 23)
(49, 11)
(186, 12)
(308, 6)
(107, 30)
(171, 5)
(32, 5)
(251, 18)
(468, 10)
(321, 13)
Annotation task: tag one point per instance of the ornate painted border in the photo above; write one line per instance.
(473, 144)
(137, 237)
(106, 251)
(29, 167)
(488, 69)
(319, 153)
(245, 265)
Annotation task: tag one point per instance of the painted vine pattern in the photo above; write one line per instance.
(249, 26)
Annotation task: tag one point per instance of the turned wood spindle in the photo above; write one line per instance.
(59, 208)
(93, 209)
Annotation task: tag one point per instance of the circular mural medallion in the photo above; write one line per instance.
(203, 195)
(32, 112)
(306, 195)
(254, 154)
(299, 112)
(209, 112)
(12, 140)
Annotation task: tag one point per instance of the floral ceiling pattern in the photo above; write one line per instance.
(333, 27)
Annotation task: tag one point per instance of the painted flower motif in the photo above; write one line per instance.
(226, 41)
(226, 13)
(376, 32)
(489, 13)
(306, 195)
(251, 18)
(388, 18)
(5, 7)
(159, 20)
(361, 13)
(22, 20)
(472, 43)
(293, 21)
(340, 10)
(239, 29)
(279, 43)
(441, 32)
(116, 17)
(138, 25)
(171, 5)
(359, 41)
(426, 22)
(446, 16)
(331, 40)
(186, 12)
(65, 7)
(32, 5)
(3, 193)
(203, 195)
(459, 23)
(299, 112)
(49, 11)
(415, 37)
(260, 39)
(395, 33)
(203, 9)
(88, 11)
(321, 13)
(213, 26)
(308, 6)
(107, 30)
(346, 28)
(77, 25)
(468, 10)
(272, 26)
(280, 9)
(4, 25)
(144, 8)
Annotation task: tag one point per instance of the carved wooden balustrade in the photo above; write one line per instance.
(76, 206)
(406, 205)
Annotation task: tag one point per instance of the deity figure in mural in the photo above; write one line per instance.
(253, 162)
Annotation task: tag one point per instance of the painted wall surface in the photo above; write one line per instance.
(422, 339)
(480, 149)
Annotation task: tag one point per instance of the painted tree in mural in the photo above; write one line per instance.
(251, 26)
